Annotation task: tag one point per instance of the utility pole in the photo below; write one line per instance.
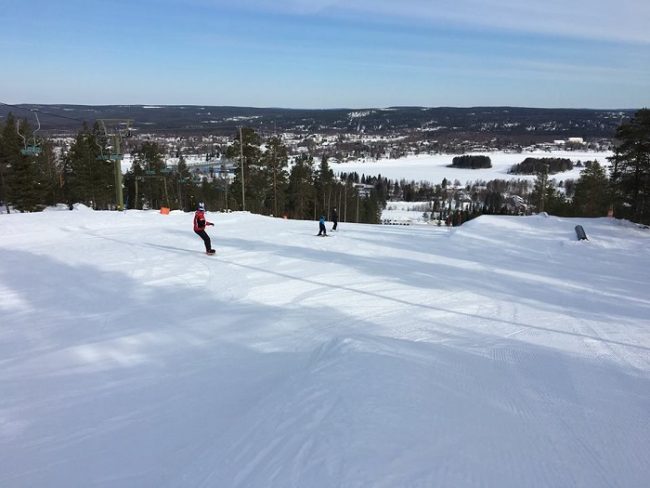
(543, 187)
(4, 190)
(166, 194)
(275, 180)
(135, 202)
(275, 169)
(119, 191)
(180, 194)
(241, 166)
(357, 206)
(223, 171)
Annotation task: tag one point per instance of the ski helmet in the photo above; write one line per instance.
(201, 207)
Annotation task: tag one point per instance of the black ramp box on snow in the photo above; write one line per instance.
(580, 232)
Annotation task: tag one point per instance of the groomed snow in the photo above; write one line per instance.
(500, 353)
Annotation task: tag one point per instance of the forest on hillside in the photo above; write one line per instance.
(35, 174)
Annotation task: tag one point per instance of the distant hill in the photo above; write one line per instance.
(507, 121)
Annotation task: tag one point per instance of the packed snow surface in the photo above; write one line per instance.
(500, 353)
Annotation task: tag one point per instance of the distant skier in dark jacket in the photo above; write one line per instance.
(199, 227)
(322, 231)
(335, 219)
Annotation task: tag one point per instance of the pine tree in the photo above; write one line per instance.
(9, 158)
(183, 182)
(540, 190)
(300, 193)
(49, 175)
(630, 170)
(555, 201)
(255, 180)
(323, 185)
(274, 162)
(133, 186)
(371, 213)
(24, 182)
(89, 174)
(149, 166)
(591, 195)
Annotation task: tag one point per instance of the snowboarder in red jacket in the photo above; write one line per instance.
(199, 227)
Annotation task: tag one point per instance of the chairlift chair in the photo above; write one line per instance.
(30, 149)
(107, 157)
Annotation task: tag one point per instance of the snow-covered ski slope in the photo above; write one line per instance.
(503, 353)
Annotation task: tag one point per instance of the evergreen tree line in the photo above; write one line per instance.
(531, 166)
(28, 182)
(83, 172)
(471, 161)
(624, 192)
(262, 183)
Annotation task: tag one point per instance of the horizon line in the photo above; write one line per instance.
(271, 107)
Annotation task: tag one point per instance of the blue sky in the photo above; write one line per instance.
(327, 53)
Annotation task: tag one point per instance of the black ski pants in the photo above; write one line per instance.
(206, 239)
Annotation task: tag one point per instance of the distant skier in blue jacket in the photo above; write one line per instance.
(322, 231)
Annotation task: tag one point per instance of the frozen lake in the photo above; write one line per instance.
(433, 167)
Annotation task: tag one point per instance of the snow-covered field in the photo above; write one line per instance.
(433, 167)
(503, 353)
(406, 212)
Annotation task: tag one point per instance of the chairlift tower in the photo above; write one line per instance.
(116, 130)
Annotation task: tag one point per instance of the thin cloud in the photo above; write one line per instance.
(623, 20)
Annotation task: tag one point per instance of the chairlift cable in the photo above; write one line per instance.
(81, 121)
(35, 110)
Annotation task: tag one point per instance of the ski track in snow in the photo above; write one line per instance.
(500, 353)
